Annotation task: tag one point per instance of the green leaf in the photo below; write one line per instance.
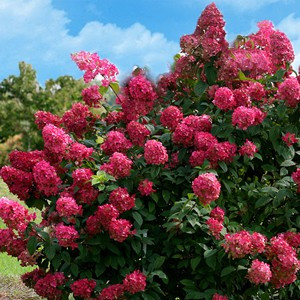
(210, 252)
(166, 195)
(56, 261)
(262, 201)
(200, 87)
(159, 262)
(136, 245)
(74, 269)
(288, 163)
(66, 257)
(99, 270)
(137, 217)
(50, 251)
(195, 262)
(161, 275)
(115, 86)
(227, 271)
(223, 166)
(211, 73)
(31, 245)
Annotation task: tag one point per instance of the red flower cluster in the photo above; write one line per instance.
(219, 297)
(289, 91)
(137, 133)
(48, 286)
(115, 142)
(146, 187)
(242, 243)
(171, 117)
(296, 178)
(290, 139)
(206, 187)
(155, 153)
(215, 222)
(66, 235)
(43, 118)
(93, 66)
(83, 287)
(224, 99)
(91, 96)
(106, 217)
(78, 119)
(19, 182)
(248, 149)
(132, 283)
(67, 207)
(245, 117)
(25, 161)
(14, 215)
(121, 200)
(259, 272)
(119, 165)
(284, 262)
(46, 178)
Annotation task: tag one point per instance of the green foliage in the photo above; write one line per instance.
(21, 96)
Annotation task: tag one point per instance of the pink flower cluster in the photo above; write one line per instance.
(290, 139)
(121, 199)
(19, 182)
(119, 165)
(171, 117)
(91, 96)
(132, 283)
(67, 207)
(244, 117)
(82, 180)
(137, 133)
(66, 235)
(289, 91)
(215, 222)
(146, 187)
(284, 262)
(14, 215)
(43, 118)
(155, 153)
(209, 37)
(106, 217)
(137, 98)
(219, 297)
(93, 66)
(239, 244)
(259, 272)
(185, 131)
(78, 152)
(78, 119)
(296, 178)
(207, 188)
(248, 149)
(115, 142)
(56, 142)
(83, 287)
(11, 243)
(48, 286)
(25, 161)
(224, 99)
(46, 178)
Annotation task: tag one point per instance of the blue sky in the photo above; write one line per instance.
(127, 32)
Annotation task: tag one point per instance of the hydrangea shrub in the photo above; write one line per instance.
(188, 188)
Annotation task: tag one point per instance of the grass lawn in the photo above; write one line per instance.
(11, 286)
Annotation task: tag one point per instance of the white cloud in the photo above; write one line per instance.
(290, 26)
(34, 31)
